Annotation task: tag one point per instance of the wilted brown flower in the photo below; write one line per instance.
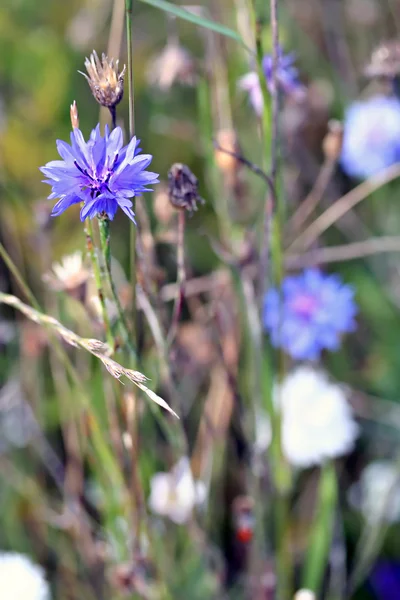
(332, 142)
(385, 60)
(173, 64)
(106, 83)
(183, 188)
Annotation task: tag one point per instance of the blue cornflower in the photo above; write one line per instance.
(287, 77)
(371, 139)
(101, 173)
(310, 314)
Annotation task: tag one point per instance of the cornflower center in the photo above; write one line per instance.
(305, 305)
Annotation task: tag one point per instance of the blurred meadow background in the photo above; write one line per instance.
(258, 299)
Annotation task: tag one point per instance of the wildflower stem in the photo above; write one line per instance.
(322, 528)
(180, 278)
(104, 228)
(131, 106)
(88, 228)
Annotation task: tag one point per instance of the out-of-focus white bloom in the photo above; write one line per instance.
(250, 83)
(377, 493)
(317, 423)
(304, 595)
(173, 64)
(21, 579)
(175, 494)
(68, 274)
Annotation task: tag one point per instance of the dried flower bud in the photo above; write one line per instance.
(333, 140)
(73, 111)
(106, 83)
(385, 60)
(227, 140)
(183, 188)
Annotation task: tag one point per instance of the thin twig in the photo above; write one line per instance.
(343, 205)
(253, 167)
(344, 252)
(311, 201)
(181, 276)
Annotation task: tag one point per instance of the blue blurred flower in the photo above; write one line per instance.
(287, 77)
(310, 314)
(101, 173)
(371, 139)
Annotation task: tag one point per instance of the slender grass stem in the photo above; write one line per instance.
(181, 277)
(131, 112)
(97, 276)
(104, 227)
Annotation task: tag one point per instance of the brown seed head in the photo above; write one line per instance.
(333, 140)
(106, 83)
(183, 188)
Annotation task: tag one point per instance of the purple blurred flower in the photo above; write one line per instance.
(310, 314)
(385, 580)
(287, 78)
(101, 173)
(371, 139)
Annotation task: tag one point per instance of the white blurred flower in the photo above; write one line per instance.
(317, 423)
(250, 83)
(173, 64)
(68, 274)
(175, 494)
(377, 493)
(304, 595)
(21, 579)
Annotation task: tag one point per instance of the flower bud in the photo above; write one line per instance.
(183, 188)
(228, 163)
(333, 140)
(106, 83)
(73, 112)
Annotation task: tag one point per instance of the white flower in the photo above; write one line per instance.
(175, 494)
(377, 494)
(317, 423)
(250, 83)
(21, 579)
(68, 274)
(304, 595)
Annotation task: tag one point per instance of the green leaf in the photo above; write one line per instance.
(182, 13)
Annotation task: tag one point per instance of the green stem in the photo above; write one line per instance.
(17, 276)
(131, 107)
(104, 227)
(322, 529)
(97, 276)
